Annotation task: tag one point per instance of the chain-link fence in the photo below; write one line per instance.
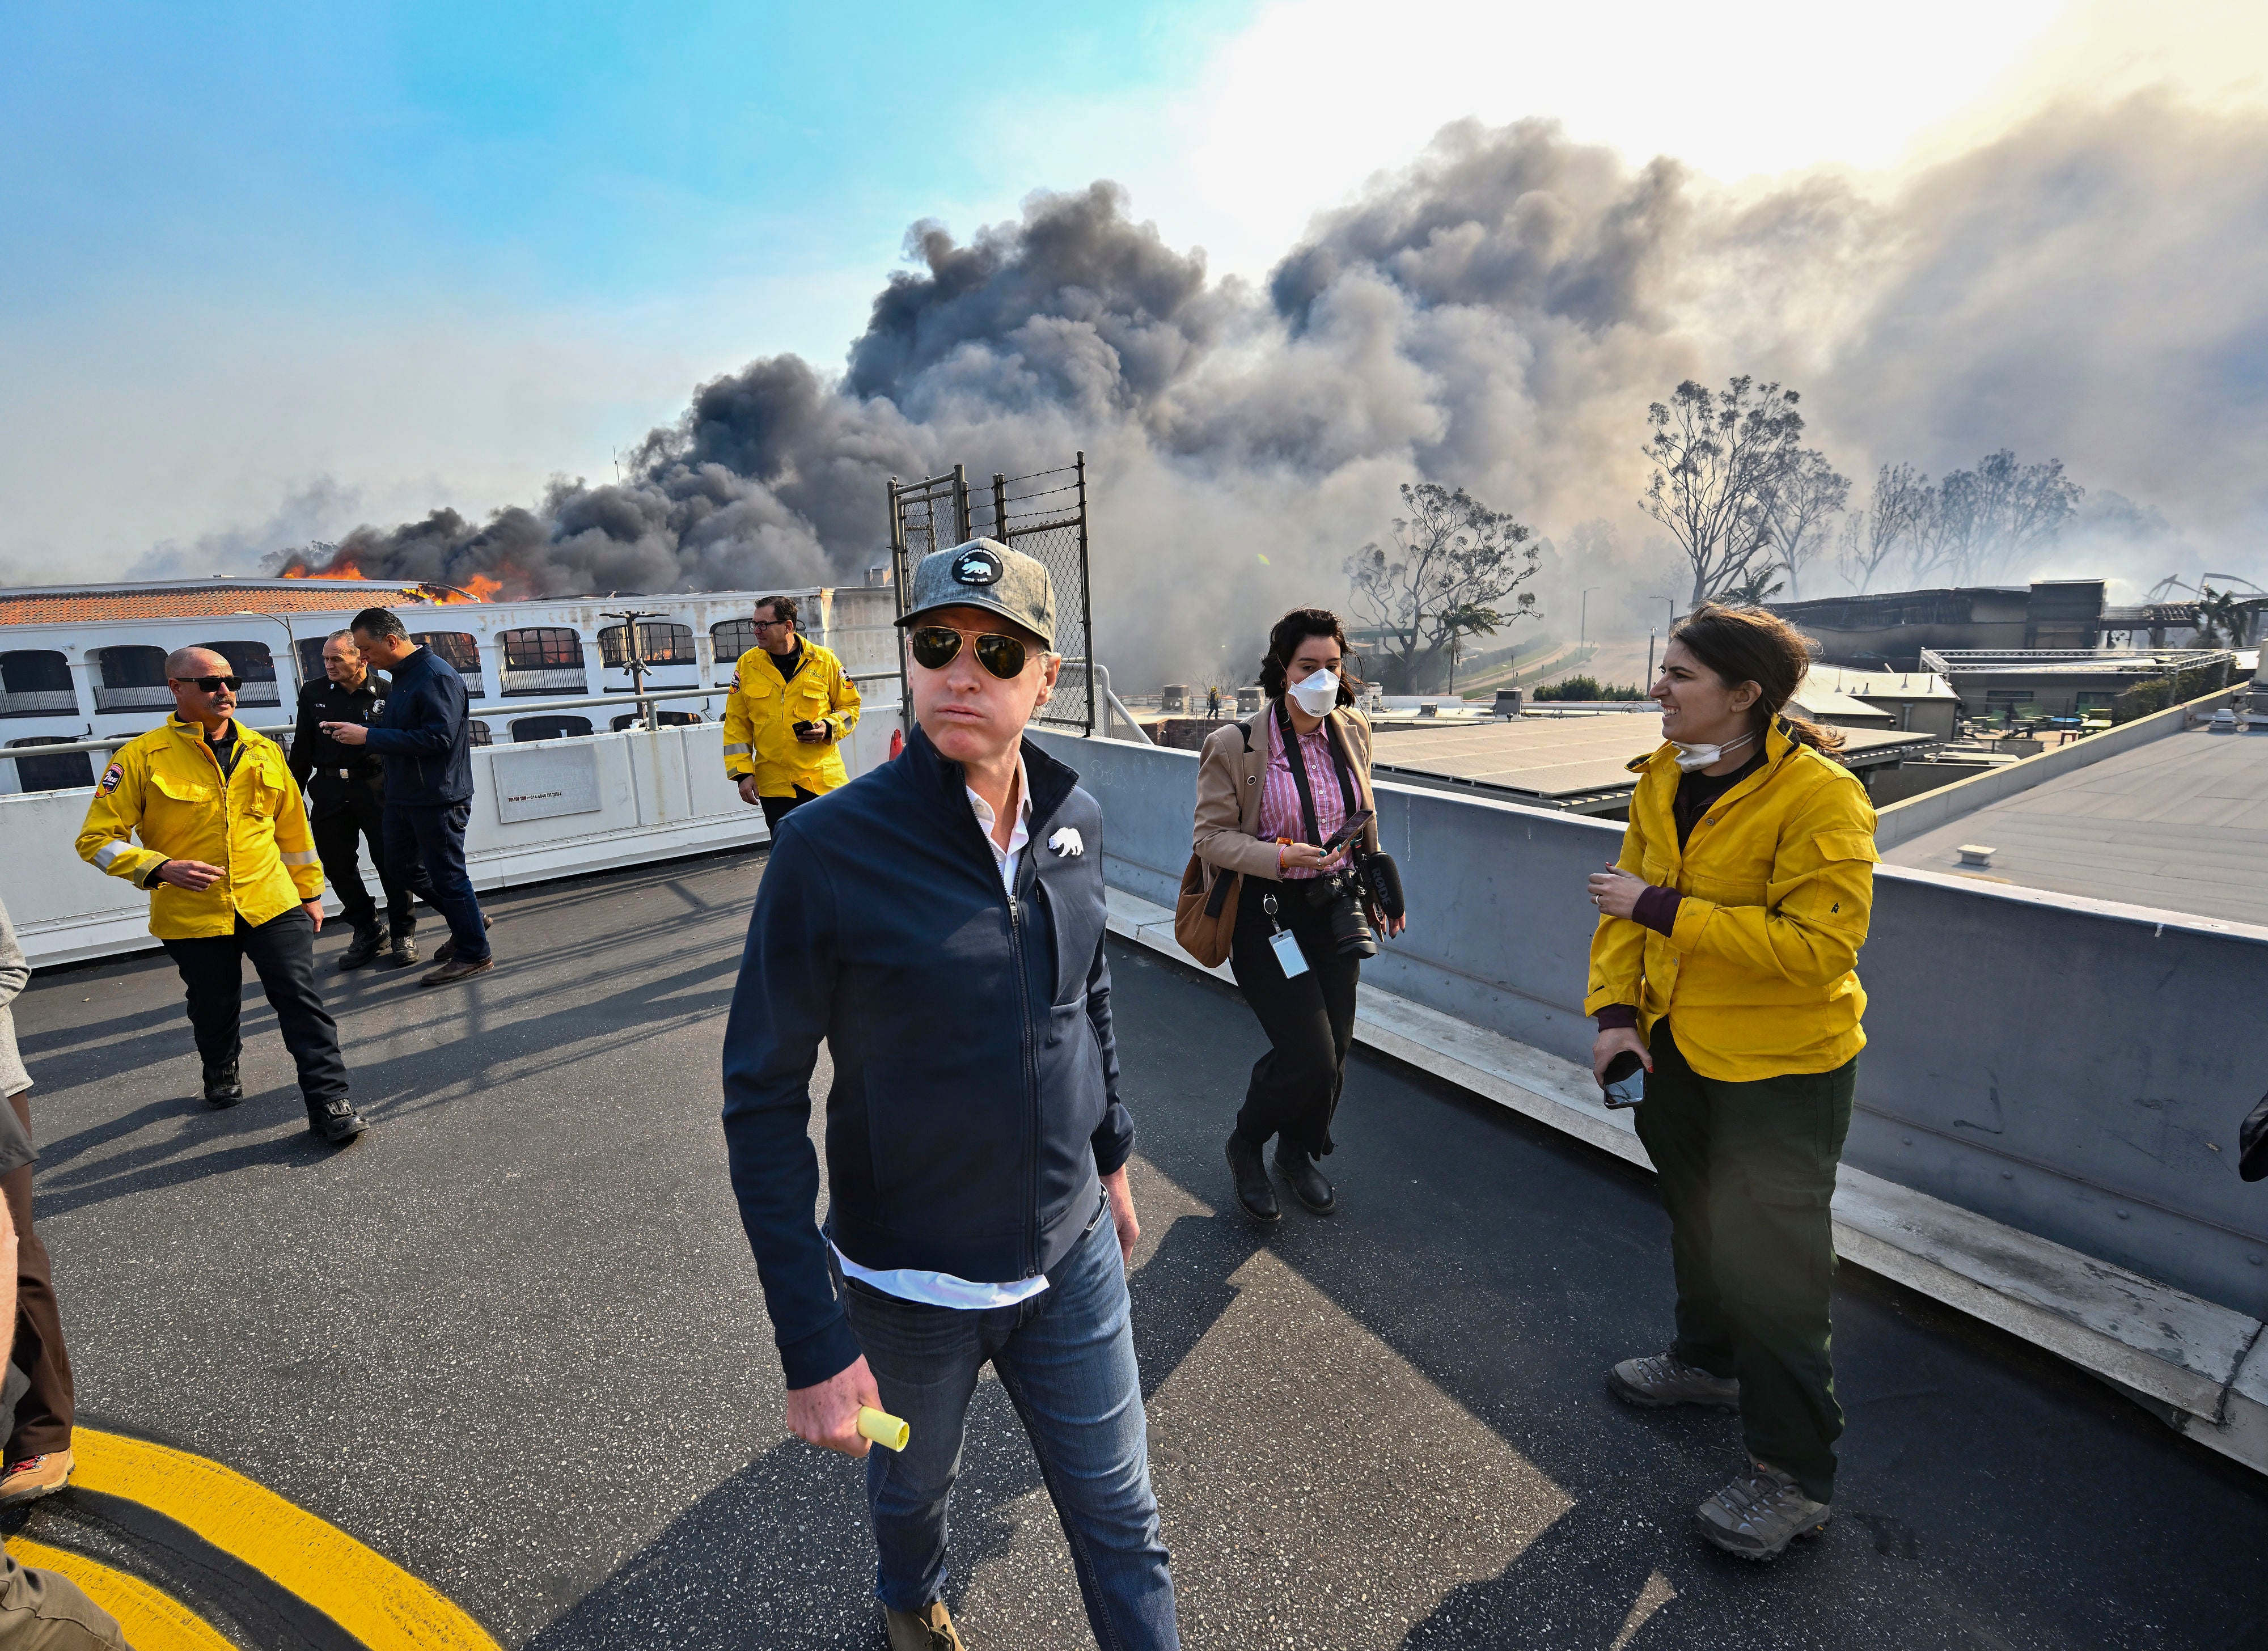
(1044, 516)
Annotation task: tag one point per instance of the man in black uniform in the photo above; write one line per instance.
(346, 785)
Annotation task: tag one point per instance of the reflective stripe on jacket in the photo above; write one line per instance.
(167, 788)
(1778, 883)
(760, 715)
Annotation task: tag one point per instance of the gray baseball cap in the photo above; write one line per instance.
(986, 573)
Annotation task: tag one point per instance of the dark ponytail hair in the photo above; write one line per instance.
(1283, 641)
(1748, 645)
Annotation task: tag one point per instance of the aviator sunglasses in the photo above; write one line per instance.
(935, 647)
(214, 684)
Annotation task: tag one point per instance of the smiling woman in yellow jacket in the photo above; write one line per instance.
(1724, 963)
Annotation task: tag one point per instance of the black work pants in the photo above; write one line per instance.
(340, 829)
(425, 847)
(282, 954)
(42, 1421)
(777, 808)
(1748, 1171)
(1310, 1017)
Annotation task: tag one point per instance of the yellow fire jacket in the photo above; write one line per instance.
(760, 715)
(1778, 883)
(167, 787)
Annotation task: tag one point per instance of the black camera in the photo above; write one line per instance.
(1341, 897)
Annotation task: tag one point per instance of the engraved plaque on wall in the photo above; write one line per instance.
(545, 781)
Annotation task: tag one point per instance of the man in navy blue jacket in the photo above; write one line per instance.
(940, 922)
(425, 736)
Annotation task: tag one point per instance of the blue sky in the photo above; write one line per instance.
(277, 268)
(562, 152)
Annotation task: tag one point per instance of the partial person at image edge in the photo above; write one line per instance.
(939, 922)
(38, 1454)
(1724, 959)
(39, 1610)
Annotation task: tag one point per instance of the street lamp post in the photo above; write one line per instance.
(1583, 624)
(1666, 623)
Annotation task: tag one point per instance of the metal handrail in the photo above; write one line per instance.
(533, 707)
(1110, 700)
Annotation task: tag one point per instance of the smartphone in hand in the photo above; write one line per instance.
(1625, 1081)
(1345, 834)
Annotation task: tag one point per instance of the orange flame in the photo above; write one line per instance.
(480, 589)
(344, 569)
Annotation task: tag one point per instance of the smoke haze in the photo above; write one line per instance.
(1495, 316)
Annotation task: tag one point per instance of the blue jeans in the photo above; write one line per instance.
(435, 837)
(1066, 1358)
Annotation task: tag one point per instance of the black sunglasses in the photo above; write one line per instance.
(213, 684)
(935, 645)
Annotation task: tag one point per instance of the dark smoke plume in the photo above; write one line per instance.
(2087, 288)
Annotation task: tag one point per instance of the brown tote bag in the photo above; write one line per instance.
(1204, 924)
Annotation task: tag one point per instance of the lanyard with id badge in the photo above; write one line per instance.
(1283, 943)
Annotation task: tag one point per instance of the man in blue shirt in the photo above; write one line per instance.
(939, 922)
(425, 737)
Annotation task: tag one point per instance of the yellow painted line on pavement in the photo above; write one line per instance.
(151, 1620)
(363, 1592)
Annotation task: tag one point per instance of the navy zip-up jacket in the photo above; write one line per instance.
(975, 1094)
(424, 734)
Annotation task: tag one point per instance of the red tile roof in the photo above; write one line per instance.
(62, 607)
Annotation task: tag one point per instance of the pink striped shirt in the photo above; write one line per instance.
(1279, 797)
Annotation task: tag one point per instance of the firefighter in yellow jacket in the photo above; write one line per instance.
(1725, 967)
(789, 707)
(232, 872)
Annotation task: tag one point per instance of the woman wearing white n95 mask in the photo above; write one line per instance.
(1275, 796)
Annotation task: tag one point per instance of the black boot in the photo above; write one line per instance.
(404, 954)
(447, 952)
(221, 1088)
(367, 943)
(1306, 1181)
(1252, 1189)
(335, 1120)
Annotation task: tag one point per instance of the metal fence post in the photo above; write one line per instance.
(1086, 594)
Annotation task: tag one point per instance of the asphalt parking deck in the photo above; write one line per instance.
(513, 1340)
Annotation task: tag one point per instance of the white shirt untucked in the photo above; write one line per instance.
(942, 1289)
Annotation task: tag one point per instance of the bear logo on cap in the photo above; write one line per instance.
(977, 566)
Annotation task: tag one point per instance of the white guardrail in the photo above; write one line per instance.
(543, 809)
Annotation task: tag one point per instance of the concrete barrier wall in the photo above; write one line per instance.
(2074, 1070)
(584, 805)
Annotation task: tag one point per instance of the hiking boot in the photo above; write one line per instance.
(929, 1629)
(446, 951)
(1663, 1378)
(34, 1477)
(335, 1121)
(454, 971)
(1253, 1189)
(221, 1088)
(404, 952)
(1306, 1181)
(364, 948)
(1760, 1513)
